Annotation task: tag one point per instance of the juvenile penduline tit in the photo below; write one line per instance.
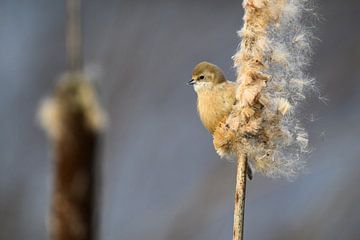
(215, 96)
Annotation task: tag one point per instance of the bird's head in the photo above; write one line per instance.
(205, 76)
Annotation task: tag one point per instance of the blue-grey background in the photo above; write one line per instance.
(161, 178)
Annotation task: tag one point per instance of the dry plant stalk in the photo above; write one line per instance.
(73, 119)
(240, 192)
(270, 65)
(73, 35)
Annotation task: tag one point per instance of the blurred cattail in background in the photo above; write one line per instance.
(262, 128)
(73, 120)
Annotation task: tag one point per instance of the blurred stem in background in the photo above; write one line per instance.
(73, 119)
(73, 35)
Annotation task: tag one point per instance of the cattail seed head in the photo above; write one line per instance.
(270, 66)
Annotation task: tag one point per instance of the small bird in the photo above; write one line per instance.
(215, 95)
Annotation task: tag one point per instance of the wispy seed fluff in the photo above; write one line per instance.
(73, 96)
(274, 51)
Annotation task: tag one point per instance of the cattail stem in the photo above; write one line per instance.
(240, 191)
(73, 35)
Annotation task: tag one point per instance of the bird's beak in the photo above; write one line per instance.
(191, 82)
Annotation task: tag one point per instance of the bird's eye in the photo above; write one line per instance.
(201, 77)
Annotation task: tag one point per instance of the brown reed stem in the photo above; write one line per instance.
(240, 191)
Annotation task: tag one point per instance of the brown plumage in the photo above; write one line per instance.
(216, 95)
